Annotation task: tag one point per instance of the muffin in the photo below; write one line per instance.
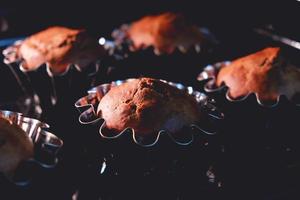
(265, 73)
(152, 132)
(148, 105)
(257, 93)
(15, 147)
(262, 88)
(164, 32)
(59, 64)
(58, 47)
(164, 46)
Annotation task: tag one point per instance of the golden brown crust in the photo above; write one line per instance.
(264, 73)
(59, 47)
(164, 32)
(15, 146)
(148, 105)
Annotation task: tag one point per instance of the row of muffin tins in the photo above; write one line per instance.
(55, 76)
(246, 120)
(53, 97)
(251, 127)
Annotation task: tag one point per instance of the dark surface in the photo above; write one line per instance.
(231, 17)
(244, 172)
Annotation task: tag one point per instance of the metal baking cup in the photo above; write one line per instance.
(209, 75)
(87, 106)
(44, 142)
(121, 46)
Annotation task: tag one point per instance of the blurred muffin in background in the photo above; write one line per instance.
(56, 61)
(165, 46)
(58, 47)
(164, 32)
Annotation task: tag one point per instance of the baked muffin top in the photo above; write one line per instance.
(58, 47)
(265, 73)
(15, 146)
(148, 105)
(164, 32)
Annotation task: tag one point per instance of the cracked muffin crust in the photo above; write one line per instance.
(265, 73)
(15, 146)
(148, 105)
(58, 47)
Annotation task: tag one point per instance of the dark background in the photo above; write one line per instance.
(100, 17)
(232, 22)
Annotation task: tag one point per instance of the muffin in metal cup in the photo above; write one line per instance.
(53, 60)
(160, 46)
(150, 128)
(259, 94)
(262, 87)
(25, 143)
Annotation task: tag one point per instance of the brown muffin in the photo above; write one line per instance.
(265, 73)
(164, 32)
(148, 105)
(15, 146)
(58, 47)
